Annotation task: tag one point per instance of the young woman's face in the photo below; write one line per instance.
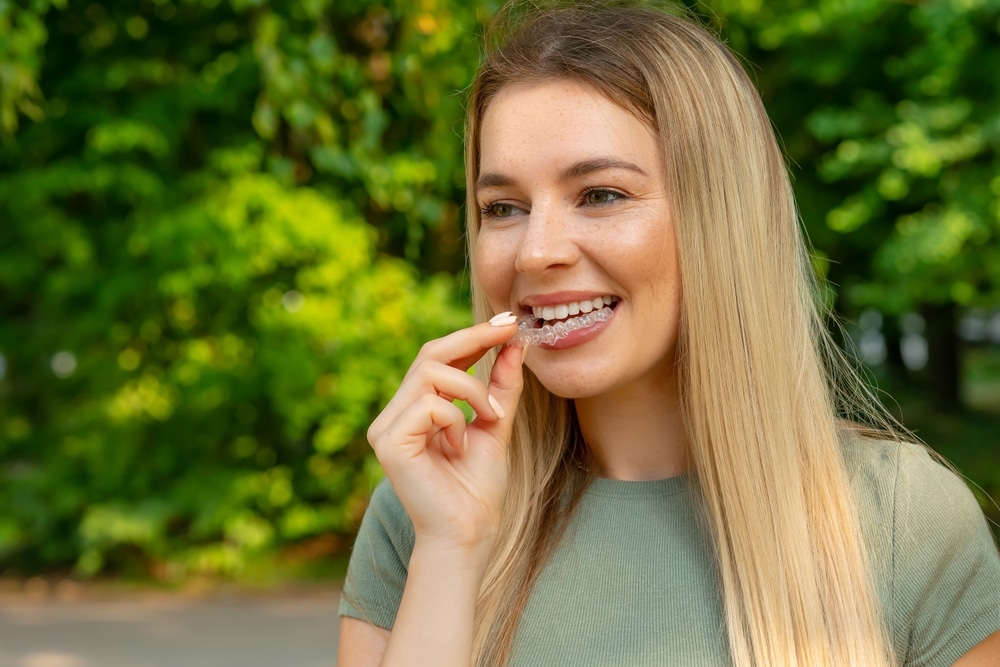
(574, 213)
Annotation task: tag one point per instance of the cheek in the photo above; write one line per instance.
(642, 258)
(494, 269)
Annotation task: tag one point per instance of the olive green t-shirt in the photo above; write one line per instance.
(634, 581)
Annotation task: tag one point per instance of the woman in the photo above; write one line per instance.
(670, 485)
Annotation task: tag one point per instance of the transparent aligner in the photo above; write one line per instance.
(527, 335)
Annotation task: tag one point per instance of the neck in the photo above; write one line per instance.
(635, 433)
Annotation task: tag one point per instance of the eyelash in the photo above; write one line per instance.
(489, 210)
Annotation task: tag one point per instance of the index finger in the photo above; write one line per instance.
(461, 349)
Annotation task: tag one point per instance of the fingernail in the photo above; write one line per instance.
(465, 442)
(503, 319)
(495, 404)
(524, 354)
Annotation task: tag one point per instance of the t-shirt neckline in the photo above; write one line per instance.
(621, 487)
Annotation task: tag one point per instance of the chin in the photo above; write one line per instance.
(571, 387)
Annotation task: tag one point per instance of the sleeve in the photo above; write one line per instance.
(380, 558)
(946, 568)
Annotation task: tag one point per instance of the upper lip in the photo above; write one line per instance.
(557, 298)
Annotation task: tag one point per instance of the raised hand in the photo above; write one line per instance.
(451, 476)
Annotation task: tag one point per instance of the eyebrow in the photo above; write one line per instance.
(576, 170)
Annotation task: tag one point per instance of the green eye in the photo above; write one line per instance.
(598, 197)
(497, 210)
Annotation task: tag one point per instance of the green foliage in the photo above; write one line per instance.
(22, 37)
(198, 322)
(375, 107)
(892, 112)
(230, 347)
(226, 227)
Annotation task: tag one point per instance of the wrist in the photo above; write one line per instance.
(455, 555)
(434, 624)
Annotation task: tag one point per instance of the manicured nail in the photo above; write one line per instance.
(524, 354)
(503, 319)
(465, 442)
(495, 404)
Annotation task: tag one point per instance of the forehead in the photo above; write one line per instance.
(558, 120)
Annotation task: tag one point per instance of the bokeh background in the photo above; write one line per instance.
(226, 226)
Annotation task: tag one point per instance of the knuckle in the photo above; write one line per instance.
(455, 412)
(428, 350)
(428, 402)
(422, 367)
(421, 374)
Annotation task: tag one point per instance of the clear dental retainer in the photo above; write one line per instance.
(548, 334)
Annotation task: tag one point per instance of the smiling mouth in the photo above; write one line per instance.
(554, 323)
(567, 312)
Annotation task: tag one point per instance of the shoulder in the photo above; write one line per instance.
(909, 499)
(933, 558)
(906, 485)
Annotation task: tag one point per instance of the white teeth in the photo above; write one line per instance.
(548, 334)
(572, 309)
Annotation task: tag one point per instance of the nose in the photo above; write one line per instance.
(546, 242)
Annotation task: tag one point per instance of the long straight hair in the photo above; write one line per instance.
(755, 358)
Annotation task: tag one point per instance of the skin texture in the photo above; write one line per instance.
(571, 187)
(549, 232)
(986, 654)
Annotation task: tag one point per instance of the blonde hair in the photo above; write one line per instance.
(754, 357)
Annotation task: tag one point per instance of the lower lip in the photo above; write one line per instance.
(581, 336)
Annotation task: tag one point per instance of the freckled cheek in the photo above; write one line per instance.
(648, 259)
(494, 269)
(638, 256)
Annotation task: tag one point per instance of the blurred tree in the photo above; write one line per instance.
(890, 113)
(22, 37)
(367, 95)
(197, 322)
(223, 227)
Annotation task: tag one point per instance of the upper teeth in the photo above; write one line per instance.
(571, 308)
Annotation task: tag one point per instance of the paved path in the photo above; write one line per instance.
(288, 629)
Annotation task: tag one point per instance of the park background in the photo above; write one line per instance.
(226, 227)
